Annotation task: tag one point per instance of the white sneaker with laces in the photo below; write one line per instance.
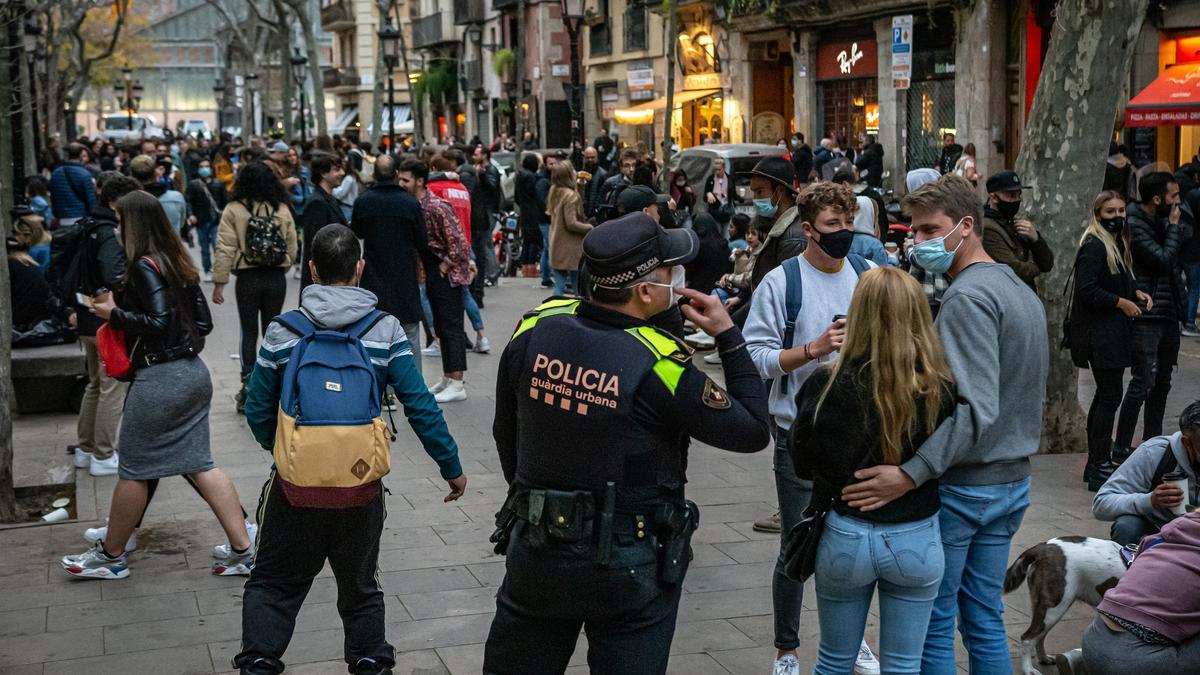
(786, 665)
(208, 277)
(432, 350)
(83, 458)
(701, 340)
(482, 346)
(104, 467)
(713, 358)
(222, 551)
(95, 534)
(437, 387)
(866, 663)
(455, 391)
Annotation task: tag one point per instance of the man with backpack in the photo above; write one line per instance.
(93, 261)
(796, 323)
(1136, 498)
(314, 400)
(206, 199)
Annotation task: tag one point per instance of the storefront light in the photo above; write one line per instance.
(634, 117)
(859, 102)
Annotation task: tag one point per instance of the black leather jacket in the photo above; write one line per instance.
(160, 323)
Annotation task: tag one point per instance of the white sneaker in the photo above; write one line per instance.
(701, 340)
(83, 458)
(786, 665)
(104, 467)
(437, 387)
(713, 358)
(866, 663)
(455, 390)
(296, 272)
(482, 346)
(208, 277)
(95, 534)
(223, 551)
(432, 350)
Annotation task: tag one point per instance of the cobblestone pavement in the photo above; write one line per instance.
(439, 572)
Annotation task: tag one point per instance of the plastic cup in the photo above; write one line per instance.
(56, 515)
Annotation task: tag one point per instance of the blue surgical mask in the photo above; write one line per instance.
(932, 255)
(205, 172)
(765, 207)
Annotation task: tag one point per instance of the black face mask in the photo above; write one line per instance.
(1008, 209)
(1113, 225)
(836, 245)
(590, 167)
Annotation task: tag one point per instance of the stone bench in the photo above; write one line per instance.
(49, 379)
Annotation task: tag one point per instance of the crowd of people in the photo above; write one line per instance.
(925, 329)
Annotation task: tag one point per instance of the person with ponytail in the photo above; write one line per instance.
(1104, 303)
(887, 391)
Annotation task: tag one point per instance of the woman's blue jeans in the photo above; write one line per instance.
(566, 281)
(905, 561)
(472, 308)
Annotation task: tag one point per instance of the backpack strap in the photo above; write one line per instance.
(793, 296)
(859, 263)
(1167, 464)
(297, 322)
(359, 329)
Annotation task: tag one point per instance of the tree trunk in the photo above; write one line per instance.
(669, 45)
(317, 104)
(519, 109)
(1062, 167)
(285, 87)
(8, 498)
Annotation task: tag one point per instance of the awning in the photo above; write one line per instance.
(344, 120)
(1173, 99)
(403, 115)
(643, 113)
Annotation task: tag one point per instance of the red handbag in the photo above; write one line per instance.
(113, 348)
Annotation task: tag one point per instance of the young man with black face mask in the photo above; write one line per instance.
(823, 280)
(1011, 240)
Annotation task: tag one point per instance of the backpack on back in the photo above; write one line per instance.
(331, 443)
(65, 274)
(794, 297)
(265, 244)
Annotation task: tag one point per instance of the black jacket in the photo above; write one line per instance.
(870, 165)
(1099, 335)
(102, 264)
(593, 192)
(320, 210)
(30, 298)
(161, 323)
(777, 249)
(1190, 251)
(802, 161)
(391, 224)
(712, 261)
(199, 203)
(484, 188)
(530, 210)
(948, 158)
(1155, 246)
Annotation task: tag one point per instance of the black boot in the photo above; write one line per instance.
(1101, 472)
(1119, 455)
(239, 398)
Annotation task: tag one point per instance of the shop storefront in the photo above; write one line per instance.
(930, 97)
(771, 90)
(1165, 115)
(847, 80)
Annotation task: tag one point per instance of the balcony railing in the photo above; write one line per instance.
(468, 11)
(336, 15)
(473, 74)
(336, 77)
(431, 30)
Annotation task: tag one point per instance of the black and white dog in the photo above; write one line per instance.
(1061, 571)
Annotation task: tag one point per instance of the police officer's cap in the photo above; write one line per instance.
(626, 248)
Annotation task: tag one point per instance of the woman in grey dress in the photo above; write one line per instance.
(164, 430)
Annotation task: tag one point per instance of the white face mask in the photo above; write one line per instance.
(678, 280)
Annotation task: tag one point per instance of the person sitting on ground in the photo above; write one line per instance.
(1145, 624)
(1136, 498)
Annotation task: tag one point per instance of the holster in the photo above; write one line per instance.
(506, 518)
(677, 522)
(558, 517)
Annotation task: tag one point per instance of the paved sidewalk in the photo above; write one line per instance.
(436, 566)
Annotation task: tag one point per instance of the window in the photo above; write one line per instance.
(600, 36)
(635, 26)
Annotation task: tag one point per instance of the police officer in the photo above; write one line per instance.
(594, 408)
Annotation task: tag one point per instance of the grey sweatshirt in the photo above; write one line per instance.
(1127, 491)
(993, 329)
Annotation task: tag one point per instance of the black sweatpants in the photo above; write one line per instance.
(446, 301)
(260, 292)
(1102, 415)
(293, 545)
(1155, 353)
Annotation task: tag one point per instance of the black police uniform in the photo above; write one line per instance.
(593, 410)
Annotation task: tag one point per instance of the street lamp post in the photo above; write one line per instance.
(389, 39)
(219, 95)
(572, 15)
(251, 91)
(30, 44)
(300, 73)
(127, 76)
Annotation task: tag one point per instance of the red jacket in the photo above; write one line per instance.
(455, 193)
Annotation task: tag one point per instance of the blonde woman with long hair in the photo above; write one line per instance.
(889, 388)
(1100, 333)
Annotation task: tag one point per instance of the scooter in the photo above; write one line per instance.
(507, 243)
